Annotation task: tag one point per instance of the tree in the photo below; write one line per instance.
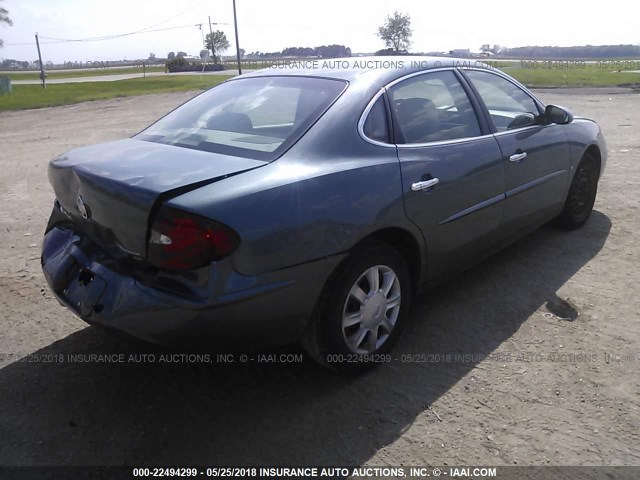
(217, 43)
(171, 55)
(396, 32)
(485, 48)
(4, 18)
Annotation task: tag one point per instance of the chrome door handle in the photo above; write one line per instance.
(423, 185)
(516, 157)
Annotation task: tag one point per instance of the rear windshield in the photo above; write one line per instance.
(252, 117)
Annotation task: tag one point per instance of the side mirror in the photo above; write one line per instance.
(524, 120)
(556, 114)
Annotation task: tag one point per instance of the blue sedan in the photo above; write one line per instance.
(312, 205)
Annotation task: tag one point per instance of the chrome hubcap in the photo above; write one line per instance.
(371, 310)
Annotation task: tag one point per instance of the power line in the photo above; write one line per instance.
(111, 37)
(107, 37)
(173, 17)
(142, 30)
(97, 39)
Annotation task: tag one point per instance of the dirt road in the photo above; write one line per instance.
(491, 374)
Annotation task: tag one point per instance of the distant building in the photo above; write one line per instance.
(460, 52)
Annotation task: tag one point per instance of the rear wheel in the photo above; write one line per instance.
(361, 310)
(582, 195)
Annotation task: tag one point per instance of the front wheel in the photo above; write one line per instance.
(582, 195)
(361, 310)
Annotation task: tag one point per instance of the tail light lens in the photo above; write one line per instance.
(183, 241)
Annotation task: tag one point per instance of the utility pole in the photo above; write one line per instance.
(211, 32)
(40, 60)
(235, 26)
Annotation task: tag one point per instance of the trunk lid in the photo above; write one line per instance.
(109, 190)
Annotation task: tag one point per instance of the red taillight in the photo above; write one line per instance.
(183, 241)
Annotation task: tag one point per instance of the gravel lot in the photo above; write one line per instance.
(533, 388)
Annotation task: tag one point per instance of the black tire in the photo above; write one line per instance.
(582, 195)
(326, 338)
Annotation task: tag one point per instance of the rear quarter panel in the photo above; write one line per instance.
(329, 191)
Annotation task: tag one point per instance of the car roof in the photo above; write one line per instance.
(383, 68)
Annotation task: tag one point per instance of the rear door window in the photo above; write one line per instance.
(376, 127)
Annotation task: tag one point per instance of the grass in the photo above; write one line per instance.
(33, 96)
(80, 73)
(589, 75)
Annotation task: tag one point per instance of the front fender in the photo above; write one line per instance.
(582, 135)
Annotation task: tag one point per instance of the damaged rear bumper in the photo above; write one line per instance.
(231, 310)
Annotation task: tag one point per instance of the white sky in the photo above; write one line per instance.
(271, 25)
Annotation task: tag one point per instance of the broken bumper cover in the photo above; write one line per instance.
(273, 310)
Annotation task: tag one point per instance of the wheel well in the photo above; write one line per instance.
(595, 151)
(406, 244)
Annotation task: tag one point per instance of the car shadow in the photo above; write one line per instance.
(97, 412)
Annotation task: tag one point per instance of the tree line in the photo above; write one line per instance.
(323, 51)
(8, 63)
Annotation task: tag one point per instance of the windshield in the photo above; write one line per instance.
(252, 117)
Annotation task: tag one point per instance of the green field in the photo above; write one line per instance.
(96, 72)
(33, 96)
(589, 75)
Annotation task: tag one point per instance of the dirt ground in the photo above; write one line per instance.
(542, 343)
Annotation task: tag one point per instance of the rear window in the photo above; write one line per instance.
(252, 117)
